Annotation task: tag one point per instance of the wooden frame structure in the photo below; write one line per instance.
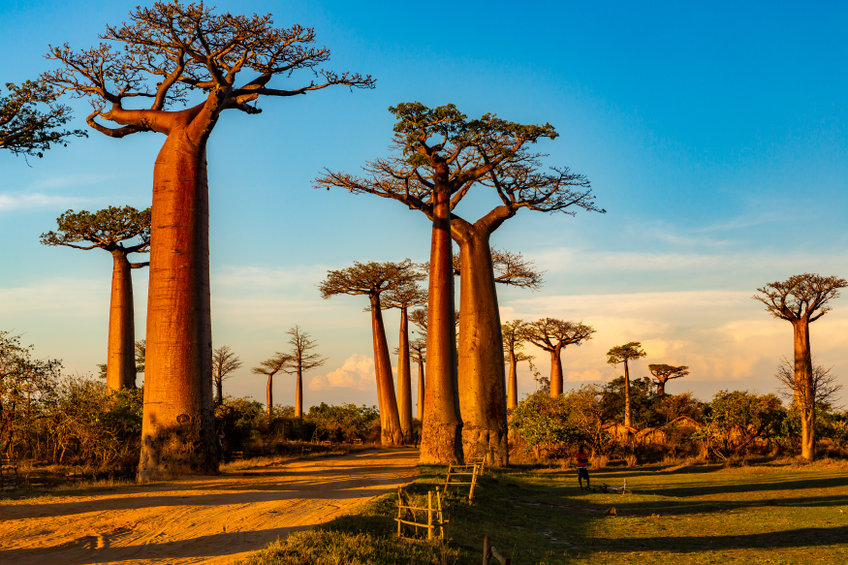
(408, 515)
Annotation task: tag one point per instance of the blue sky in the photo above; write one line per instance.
(715, 135)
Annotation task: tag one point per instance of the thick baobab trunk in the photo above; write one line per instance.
(390, 431)
(298, 397)
(420, 391)
(219, 390)
(120, 360)
(269, 397)
(660, 388)
(482, 398)
(512, 388)
(627, 418)
(804, 391)
(556, 371)
(404, 390)
(178, 426)
(441, 435)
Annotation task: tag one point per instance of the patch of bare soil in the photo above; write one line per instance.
(210, 519)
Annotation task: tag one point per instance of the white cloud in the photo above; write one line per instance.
(20, 201)
(357, 372)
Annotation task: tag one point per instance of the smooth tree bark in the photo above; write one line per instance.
(623, 354)
(224, 363)
(167, 54)
(303, 358)
(553, 335)
(801, 300)
(31, 120)
(418, 353)
(443, 155)
(513, 339)
(404, 298)
(121, 232)
(269, 368)
(372, 279)
(663, 373)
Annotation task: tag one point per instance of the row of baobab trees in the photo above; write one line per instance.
(169, 53)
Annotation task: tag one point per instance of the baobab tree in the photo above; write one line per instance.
(31, 120)
(623, 354)
(372, 279)
(224, 363)
(513, 339)
(418, 353)
(121, 232)
(270, 367)
(444, 154)
(663, 373)
(553, 335)
(403, 298)
(168, 54)
(303, 358)
(801, 300)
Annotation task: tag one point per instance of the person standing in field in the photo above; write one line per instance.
(582, 466)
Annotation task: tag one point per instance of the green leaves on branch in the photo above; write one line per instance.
(30, 120)
(107, 229)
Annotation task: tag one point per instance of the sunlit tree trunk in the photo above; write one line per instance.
(512, 389)
(420, 390)
(441, 438)
(269, 396)
(404, 390)
(556, 371)
(389, 419)
(482, 398)
(298, 398)
(804, 393)
(178, 426)
(120, 361)
(627, 416)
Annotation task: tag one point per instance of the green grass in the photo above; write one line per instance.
(770, 513)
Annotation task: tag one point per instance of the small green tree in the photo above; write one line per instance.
(30, 119)
(735, 419)
(542, 422)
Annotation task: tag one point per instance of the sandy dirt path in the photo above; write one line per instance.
(210, 519)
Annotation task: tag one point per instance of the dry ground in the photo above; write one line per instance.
(210, 519)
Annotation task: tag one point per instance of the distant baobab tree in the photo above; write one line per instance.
(801, 300)
(270, 367)
(224, 363)
(372, 279)
(30, 119)
(623, 354)
(443, 155)
(663, 373)
(513, 339)
(303, 358)
(403, 298)
(418, 353)
(120, 231)
(552, 335)
(190, 64)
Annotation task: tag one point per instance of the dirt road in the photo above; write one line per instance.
(211, 519)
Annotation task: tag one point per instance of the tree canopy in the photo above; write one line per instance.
(31, 120)
(107, 229)
(800, 296)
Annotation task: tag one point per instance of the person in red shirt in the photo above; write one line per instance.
(582, 463)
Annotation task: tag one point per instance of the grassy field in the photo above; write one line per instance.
(768, 513)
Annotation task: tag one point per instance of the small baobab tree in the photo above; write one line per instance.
(121, 232)
(270, 367)
(663, 373)
(190, 64)
(403, 298)
(801, 300)
(623, 354)
(31, 120)
(303, 358)
(418, 353)
(373, 279)
(224, 363)
(513, 339)
(553, 335)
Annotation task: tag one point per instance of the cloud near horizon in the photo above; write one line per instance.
(357, 372)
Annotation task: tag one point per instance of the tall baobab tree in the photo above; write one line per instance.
(303, 358)
(444, 154)
(372, 279)
(120, 231)
(168, 54)
(623, 354)
(270, 367)
(418, 353)
(30, 119)
(663, 373)
(553, 335)
(513, 339)
(801, 300)
(403, 298)
(224, 363)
